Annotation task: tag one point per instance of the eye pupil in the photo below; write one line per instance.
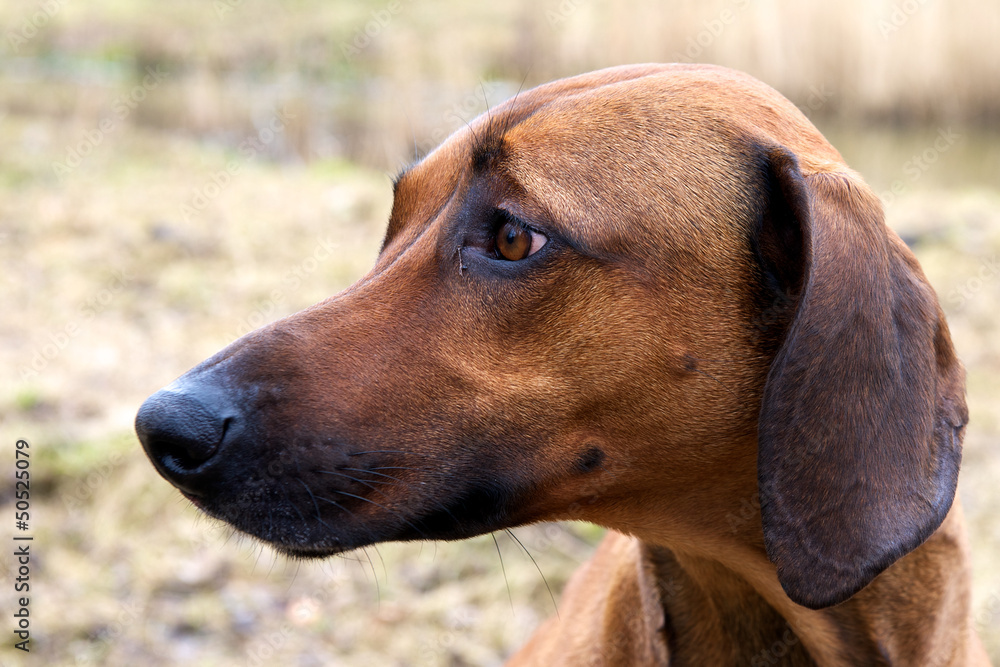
(513, 242)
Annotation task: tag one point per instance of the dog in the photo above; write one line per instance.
(651, 297)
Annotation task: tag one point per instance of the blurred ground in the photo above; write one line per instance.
(172, 176)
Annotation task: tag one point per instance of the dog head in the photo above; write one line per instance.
(636, 297)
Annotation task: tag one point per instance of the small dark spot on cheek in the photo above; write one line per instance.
(590, 459)
(690, 363)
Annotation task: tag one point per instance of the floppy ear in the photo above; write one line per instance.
(863, 412)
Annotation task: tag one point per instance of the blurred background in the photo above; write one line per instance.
(173, 175)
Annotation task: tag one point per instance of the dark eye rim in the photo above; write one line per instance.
(503, 217)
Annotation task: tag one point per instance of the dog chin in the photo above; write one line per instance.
(303, 552)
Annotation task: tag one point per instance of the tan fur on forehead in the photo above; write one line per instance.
(589, 186)
(689, 136)
(708, 94)
(687, 133)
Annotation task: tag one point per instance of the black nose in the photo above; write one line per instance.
(181, 429)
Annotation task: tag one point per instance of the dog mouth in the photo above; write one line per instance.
(294, 527)
(295, 546)
(312, 491)
(195, 500)
(298, 552)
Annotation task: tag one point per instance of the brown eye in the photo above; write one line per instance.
(515, 241)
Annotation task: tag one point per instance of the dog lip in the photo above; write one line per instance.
(293, 551)
(304, 552)
(194, 498)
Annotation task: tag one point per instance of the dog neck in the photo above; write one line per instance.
(736, 609)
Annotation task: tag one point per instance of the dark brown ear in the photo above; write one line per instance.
(863, 412)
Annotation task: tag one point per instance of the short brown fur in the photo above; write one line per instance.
(722, 353)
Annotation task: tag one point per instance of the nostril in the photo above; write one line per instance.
(180, 433)
(183, 455)
(226, 423)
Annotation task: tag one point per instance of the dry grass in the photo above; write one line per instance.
(418, 75)
(112, 287)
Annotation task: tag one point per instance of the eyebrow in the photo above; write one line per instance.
(488, 147)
